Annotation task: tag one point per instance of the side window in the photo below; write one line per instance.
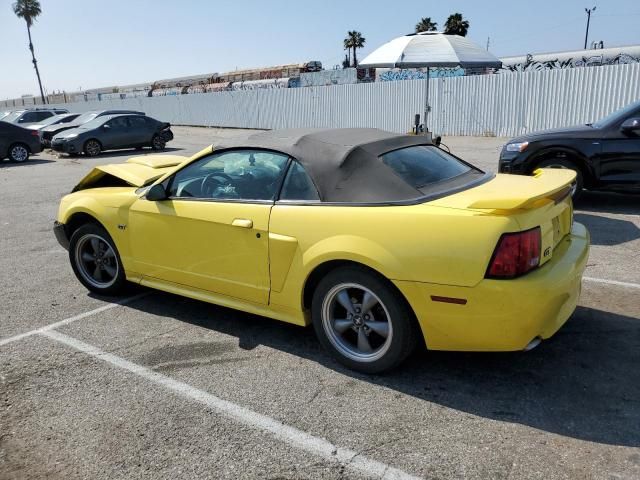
(138, 122)
(118, 123)
(298, 186)
(233, 175)
(43, 115)
(29, 117)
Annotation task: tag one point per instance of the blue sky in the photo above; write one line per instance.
(91, 43)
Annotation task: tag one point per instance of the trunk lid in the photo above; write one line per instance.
(136, 172)
(542, 200)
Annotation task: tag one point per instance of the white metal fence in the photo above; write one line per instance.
(502, 105)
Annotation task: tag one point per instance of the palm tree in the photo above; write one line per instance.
(354, 40)
(426, 25)
(30, 10)
(456, 25)
(347, 47)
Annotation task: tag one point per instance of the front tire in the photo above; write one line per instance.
(92, 148)
(362, 320)
(578, 186)
(18, 152)
(95, 260)
(158, 143)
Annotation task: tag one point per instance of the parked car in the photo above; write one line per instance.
(605, 154)
(382, 241)
(34, 115)
(17, 143)
(61, 119)
(47, 133)
(110, 132)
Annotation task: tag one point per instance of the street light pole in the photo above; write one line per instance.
(586, 35)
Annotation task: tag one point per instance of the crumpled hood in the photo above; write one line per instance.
(136, 171)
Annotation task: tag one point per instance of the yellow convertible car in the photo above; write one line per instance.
(382, 241)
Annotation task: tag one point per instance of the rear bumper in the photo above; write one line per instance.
(61, 234)
(504, 315)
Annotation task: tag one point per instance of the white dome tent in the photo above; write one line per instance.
(429, 50)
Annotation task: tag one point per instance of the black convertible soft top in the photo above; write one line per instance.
(343, 163)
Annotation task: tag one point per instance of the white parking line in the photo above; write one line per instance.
(612, 282)
(285, 433)
(72, 319)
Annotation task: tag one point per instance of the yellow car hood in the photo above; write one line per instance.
(136, 171)
(514, 192)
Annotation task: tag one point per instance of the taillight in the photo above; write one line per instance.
(515, 254)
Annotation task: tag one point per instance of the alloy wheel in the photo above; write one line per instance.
(356, 322)
(19, 153)
(92, 148)
(96, 261)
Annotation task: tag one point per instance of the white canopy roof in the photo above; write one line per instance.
(430, 49)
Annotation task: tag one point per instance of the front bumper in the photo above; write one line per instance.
(510, 163)
(66, 146)
(61, 234)
(504, 315)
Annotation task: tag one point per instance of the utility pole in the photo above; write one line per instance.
(586, 35)
(488, 40)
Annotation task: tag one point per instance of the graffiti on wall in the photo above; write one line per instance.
(393, 74)
(532, 65)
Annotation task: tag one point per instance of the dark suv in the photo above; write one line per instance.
(605, 154)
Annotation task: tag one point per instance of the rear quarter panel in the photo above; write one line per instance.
(416, 243)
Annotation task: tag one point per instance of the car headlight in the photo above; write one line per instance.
(517, 147)
(71, 135)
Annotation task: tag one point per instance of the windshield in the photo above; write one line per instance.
(12, 116)
(617, 116)
(96, 122)
(85, 117)
(51, 120)
(422, 166)
(4, 114)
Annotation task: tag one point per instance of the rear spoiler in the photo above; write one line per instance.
(513, 192)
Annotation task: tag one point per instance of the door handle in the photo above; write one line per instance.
(242, 222)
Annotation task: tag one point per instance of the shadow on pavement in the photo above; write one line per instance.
(583, 383)
(29, 163)
(607, 202)
(608, 231)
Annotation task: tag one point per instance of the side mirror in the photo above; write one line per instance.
(437, 141)
(105, 126)
(630, 125)
(156, 193)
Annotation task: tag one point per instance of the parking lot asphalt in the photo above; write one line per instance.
(167, 387)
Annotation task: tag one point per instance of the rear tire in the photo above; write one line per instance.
(92, 148)
(95, 260)
(158, 143)
(362, 320)
(568, 164)
(18, 152)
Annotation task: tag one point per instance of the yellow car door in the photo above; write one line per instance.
(211, 230)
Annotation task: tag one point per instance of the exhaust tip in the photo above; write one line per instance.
(532, 344)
